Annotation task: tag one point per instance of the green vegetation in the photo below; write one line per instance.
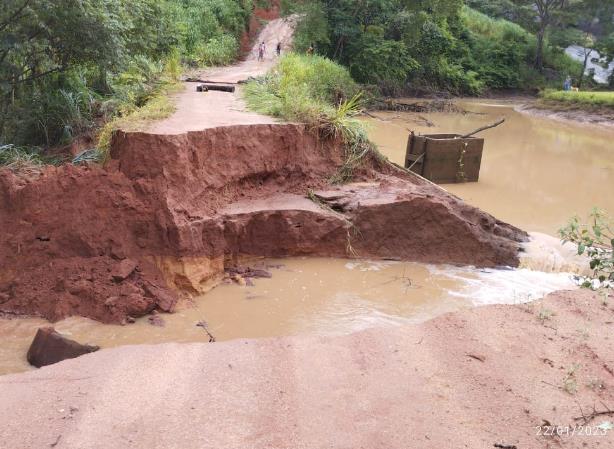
(431, 45)
(69, 66)
(76, 67)
(596, 240)
(580, 100)
(319, 92)
(301, 88)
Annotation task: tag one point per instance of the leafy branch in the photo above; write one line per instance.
(595, 240)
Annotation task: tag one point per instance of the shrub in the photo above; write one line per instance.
(221, 50)
(319, 92)
(596, 240)
(301, 88)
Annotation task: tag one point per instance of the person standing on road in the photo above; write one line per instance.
(261, 50)
(278, 49)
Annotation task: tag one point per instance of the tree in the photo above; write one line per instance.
(546, 10)
(587, 50)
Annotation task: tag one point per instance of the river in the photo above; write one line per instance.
(536, 172)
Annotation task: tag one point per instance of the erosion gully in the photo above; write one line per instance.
(536, 173)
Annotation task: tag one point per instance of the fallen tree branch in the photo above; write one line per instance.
(483, 128)
(594, 414)
(204, 326)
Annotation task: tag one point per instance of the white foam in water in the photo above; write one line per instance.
(368, 265)
(503, 286)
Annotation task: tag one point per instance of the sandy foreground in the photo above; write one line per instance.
(475, 378)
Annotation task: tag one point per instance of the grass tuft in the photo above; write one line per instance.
(316, 91)
(23, 160)
(132, 118)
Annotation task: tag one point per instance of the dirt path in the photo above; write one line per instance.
(446, 383)
(197, 111)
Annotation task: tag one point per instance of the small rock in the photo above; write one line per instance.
(156, 320)
(138, 305)
(123, 269)
(81, 288)
(164, 299)
(49, 347)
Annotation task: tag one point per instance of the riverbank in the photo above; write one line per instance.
(444, 383)
(570, 112)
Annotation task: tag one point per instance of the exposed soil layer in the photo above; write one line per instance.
(182, 207)
(258, 17)
(450, 382)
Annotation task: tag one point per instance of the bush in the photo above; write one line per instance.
(383, 62)
(301, 88)
(596, 240)
(319, 92)
(221, 50)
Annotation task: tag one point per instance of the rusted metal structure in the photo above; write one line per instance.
(445, 158)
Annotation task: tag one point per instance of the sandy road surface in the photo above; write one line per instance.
(446, 383)
(196, 111)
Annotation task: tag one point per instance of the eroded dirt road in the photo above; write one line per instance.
(197, 111)
(447, 383)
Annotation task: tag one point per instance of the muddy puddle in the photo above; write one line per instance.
(536, 172)
(305, 296)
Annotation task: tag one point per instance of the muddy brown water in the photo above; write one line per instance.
(536, 172)
(304, 296)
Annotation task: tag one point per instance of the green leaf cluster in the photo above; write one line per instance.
(594, 239)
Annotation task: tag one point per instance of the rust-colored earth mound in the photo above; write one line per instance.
(171, 211)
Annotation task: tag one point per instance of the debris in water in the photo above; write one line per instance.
(204, 325)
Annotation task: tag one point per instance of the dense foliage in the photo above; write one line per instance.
(67, 64)
(587, 23)
(428, 44)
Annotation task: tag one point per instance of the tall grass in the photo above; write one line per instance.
(158, 106)
(301, 88)
(319, 92)
(21, 159)
(592, 99)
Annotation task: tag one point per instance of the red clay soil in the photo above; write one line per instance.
(500, 376)
(220, 193)
(256, 21)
